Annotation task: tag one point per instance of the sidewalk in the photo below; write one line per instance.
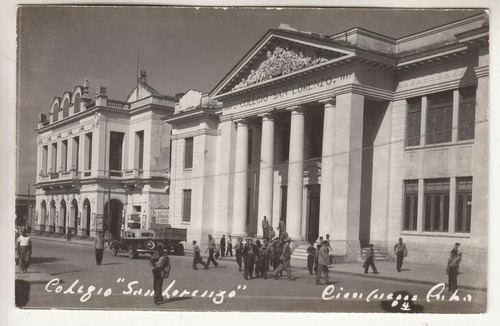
(411, 272)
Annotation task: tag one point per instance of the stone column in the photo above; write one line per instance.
(266, 171)
(326, 196)
(240, 180)
(348, 141)
(295, 174)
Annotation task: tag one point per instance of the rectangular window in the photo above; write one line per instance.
(285, 142)
(45, 157)
(315, 138)
(116, 150)
(53, 158)
(140, 148)
(439, 117)
(186, 205)
(467, 113)
(413, 119)
(410, 205)
(88, 161)
(464, 204)
(437, 205)
(188, 153)
(284, 194)
(64, 155)
(76, 152)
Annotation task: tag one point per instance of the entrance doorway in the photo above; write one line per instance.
(313, 195)
(114, 222)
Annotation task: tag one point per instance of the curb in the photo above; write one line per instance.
(468, 287)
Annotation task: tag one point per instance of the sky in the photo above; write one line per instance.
(180, 49)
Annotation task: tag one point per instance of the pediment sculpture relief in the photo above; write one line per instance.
(279, 63)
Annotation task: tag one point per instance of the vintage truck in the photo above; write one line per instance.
(145, 241)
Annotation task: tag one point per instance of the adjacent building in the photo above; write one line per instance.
(357, 135)
(103, 164)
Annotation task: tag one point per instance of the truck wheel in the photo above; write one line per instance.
(149, 244)
(132, 254)
(179, 250)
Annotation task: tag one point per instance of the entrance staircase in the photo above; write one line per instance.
(300, 252)
(379, 255)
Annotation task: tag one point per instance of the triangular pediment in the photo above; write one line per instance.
(279, 55)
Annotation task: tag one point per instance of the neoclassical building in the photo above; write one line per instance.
(103, 164)
(357, 135)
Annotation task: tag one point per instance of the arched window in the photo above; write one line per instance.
(65, 108)
(55, 112)
(76, 103)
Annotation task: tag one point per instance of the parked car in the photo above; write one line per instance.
(145, 241)
(135, 242)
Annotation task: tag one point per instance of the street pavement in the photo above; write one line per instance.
(60, 269)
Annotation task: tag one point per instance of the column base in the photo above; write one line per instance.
(239, 234)
(50, 229)
(82, 232)
(296, 237)
(60, 229)
(346, 251)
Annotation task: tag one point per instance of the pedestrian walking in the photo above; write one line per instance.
(229, 251)
(331, 258)
(238, 251)
(265, 228)
(316, 259)
(24, 250)
(160, 266)
(453, 268)
(265, 254)
(401, 252)
(99, 248)
(223, 246)
(311, 253)
(197, 257)
(285, 257)
(369, 260)
(323, 260)
(211, 251)
(250, 253)
(68, 235)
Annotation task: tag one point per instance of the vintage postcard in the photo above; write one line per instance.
(252, 159)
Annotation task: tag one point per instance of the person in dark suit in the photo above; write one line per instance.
(158, 263)
(229, 251)
(223, 246)
(370, 260)
(453, 266)
(250, 253)
(311, 252)
(238, 249)
(99, 248)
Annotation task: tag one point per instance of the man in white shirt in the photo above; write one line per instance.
(24, 249)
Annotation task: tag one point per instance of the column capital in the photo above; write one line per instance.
(241, 122)
(296, 109)
(268, 115)
(329, 101)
